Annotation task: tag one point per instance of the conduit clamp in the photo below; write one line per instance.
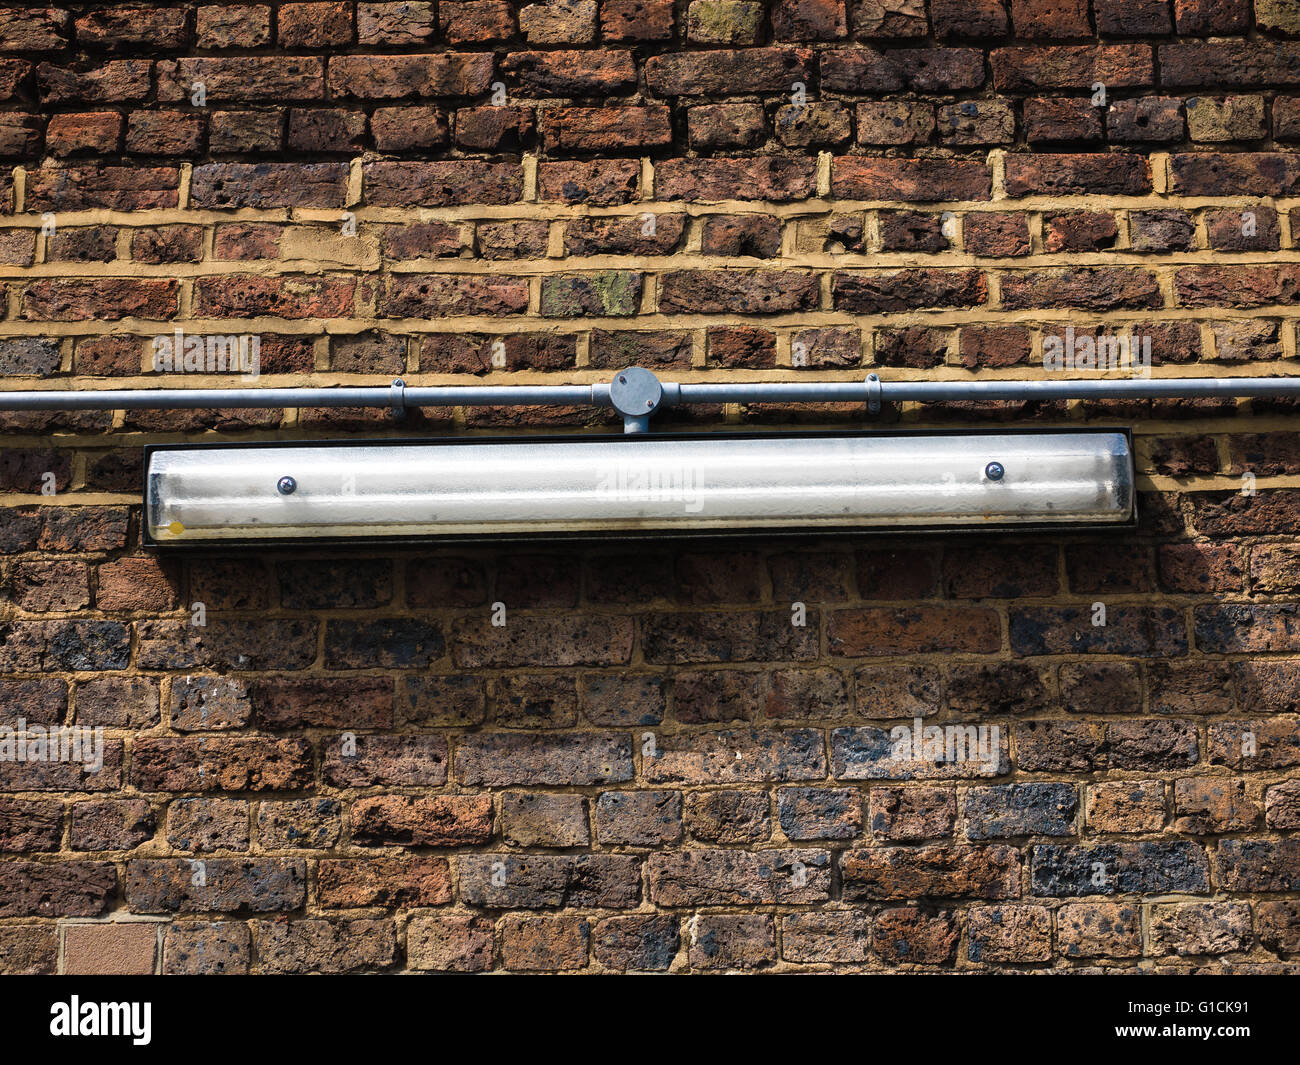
(874, 392)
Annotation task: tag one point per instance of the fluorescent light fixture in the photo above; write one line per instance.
(636, 484)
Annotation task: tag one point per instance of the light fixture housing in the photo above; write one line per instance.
(635, 485)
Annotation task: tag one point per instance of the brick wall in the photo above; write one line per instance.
(650, 766)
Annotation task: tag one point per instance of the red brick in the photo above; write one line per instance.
(969, 18)
(1095, 288)
(1244, 174)
(204, 764)
(318, 946)
(603, 73)
(233, 25)
(928, 872)
(1253, 63)
(352, 883)
(226, 185)
(1148, 119)
(894, 122)
(854, 178)
(14, 74)
(97, 132)
(738, 878)
(202, 948)
(809, 20)
(476, 21)
(396, 129)
(1236, 286)
(1016, 934)
(164, 133)
(453, 943)
(326, 130)
(1098, 929)
(779, 180)
(28, 950)
(136, 584)
(544, 944)
(1211, 17)
(732, 942)
(606, 130)
(1116, 175)
(559, 22)
(1055, 121)
(1139, 631)
(120, 188)
(106, 300)
(423, 295)
(245, 131)
(1132, 18)
(85, 244)
(408, 184)
(1051, 18)
(636, 20)
(494, 128)
(35, 30)
(128, 27)
(236, 296)
(898, 290)
(256, 78)
(737, 292)
(247, 241)
(915, 630)
(386, 77)
(913, 936)
(1199, 567)
(599, 183)
(56, 889)
(741, 347)
(315, 25)
(725, 73)
(390, 23)
(1000, 572)
(116, 81)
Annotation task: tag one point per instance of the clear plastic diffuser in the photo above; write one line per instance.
(635, 484)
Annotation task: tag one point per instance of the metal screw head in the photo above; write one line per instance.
(635, 391)
(286, 485)
(994, 471)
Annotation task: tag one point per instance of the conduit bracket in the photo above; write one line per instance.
(397, 397)
(874, 392)
(636, 394)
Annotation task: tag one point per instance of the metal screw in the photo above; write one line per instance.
(994, 471)
(286, 485)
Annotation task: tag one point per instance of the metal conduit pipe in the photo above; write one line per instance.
(636, 394)
(984, 391)
(395, 395)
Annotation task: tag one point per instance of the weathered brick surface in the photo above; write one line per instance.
(349, 768)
